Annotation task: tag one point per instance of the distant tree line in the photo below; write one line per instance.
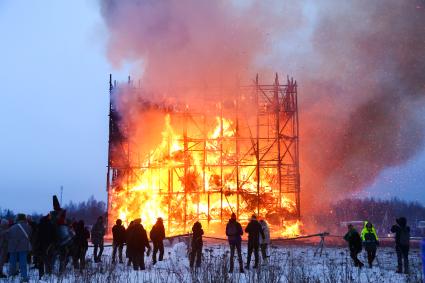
(88, 211)
(380, 212)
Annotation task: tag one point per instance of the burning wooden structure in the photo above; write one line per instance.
(225, 150)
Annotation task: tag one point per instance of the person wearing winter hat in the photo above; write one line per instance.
(18, 239)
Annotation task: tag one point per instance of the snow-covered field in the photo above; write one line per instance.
(286, 264)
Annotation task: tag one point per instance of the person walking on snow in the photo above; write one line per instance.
(354, 244)
(402, 244)
(234, 232)
(157, 236)
(19, 245)
(264, 242)
(370, 241)
(118, 240)
(97, 234)
(255, 231)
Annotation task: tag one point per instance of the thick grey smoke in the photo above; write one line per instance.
(360, 66)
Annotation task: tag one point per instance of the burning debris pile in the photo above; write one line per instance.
(225, 150)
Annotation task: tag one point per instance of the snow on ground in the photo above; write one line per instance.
(286, 264)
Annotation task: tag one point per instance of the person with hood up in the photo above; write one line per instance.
(118, 240)
(4, 225)
(196, 244)
(234, 232)
(157, 236)
(370, 241)
(402, 244)
(354, 244)
(19, 245)
(137, 241)
(264, 242)
(97, 234)
(255, 231)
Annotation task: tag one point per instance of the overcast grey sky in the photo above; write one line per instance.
(54, 77)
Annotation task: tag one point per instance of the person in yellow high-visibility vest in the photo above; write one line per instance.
(370, 241)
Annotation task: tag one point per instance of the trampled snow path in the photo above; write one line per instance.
(286, 264)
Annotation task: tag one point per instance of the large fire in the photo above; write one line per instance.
(201, 175)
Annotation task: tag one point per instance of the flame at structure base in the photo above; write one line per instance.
(201, 159)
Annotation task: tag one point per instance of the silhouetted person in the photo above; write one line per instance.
(196, 244)
(370, 241)
(255, 231)
(264, 242)
(137, 241)
(402, 244)
(234, 232)
(354, 244)
(97, 234)
(18, 239)
(118, 240)
(423, 256)
(128, 232)
(4, 225)
(157, 236)
(44, 248)
(80, 245)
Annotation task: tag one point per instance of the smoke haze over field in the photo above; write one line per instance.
(360, 66)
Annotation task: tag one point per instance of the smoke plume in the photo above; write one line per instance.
(360, 66)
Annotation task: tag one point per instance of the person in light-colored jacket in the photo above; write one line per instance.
(264, 242)
(18, 239)
(4, 225)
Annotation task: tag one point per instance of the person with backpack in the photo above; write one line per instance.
(370, 241)
(97, 234)
(19, 245)
(234, 232)
(264, 242)
(255, 231)
(402, 244)
(196, 244)
(354, 244)
(157, 236)
(118, 240)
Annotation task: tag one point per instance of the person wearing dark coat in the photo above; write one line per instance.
(234, 232)
(402, 244)
(97, 234)
(44, 247)
(255, 231)
(157, 236)
(118, 240)
(137, 241)
(4, 225)
(80, 245)
(354, 244)
(197, 243)
(19, 245)
(370, 241)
